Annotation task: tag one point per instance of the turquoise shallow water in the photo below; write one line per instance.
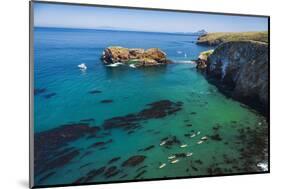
(62, 97)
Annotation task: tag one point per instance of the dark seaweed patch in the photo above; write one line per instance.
(133, 161)
(48, 144)
(87, 153)
(145, 166)
(106, 101)
(100, 144)
(61, 161)
(79, 180)
(198, 161)
(92, 174)
(147, 148)
(170, 141)
(46, 176)
(123, 176)
(155, 110)
(95, 91)
(85, 165)
(38, 91)
(88, 120)
(194, 168)
(180, 155)
(216, 137)
(114, 160)
(140, 174)
(50, 95)
(111, 171)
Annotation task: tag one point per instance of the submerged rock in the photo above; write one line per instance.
(136, 56)
(133, 161)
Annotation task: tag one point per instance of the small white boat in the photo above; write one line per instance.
(172, 157)
(193, 135)
(183, 146)
(204, 138)
(82, 66)
(162, 143)
(162, 165)
(175, 161)
(200, 142)
(179, 52)
(198, 133)
(185, 55)
(188, 154)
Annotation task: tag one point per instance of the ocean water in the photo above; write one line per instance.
(62, 96)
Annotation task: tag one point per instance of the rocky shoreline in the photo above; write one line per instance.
(135, 57)
(240, 69)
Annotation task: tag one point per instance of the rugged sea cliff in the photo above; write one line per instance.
(240, 69)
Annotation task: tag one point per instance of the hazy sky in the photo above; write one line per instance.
(75, 16)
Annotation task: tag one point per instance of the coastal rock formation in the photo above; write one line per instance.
(138, 57)
(242, 66)
(201, 62)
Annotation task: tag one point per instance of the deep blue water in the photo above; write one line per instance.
(65, 98)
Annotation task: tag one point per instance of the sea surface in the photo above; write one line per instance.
(65, 94)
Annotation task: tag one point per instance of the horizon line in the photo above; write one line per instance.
(146, 31)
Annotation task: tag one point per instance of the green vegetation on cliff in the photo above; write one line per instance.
(213, 39)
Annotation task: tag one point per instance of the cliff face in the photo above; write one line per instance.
(242, 66)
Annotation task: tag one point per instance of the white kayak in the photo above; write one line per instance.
(172, 157)
(175, 161)
(183, 146)
(162, 165)
(200, 142)
(204, 138)
(162, 143)
(193, 135)
(189, 154)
